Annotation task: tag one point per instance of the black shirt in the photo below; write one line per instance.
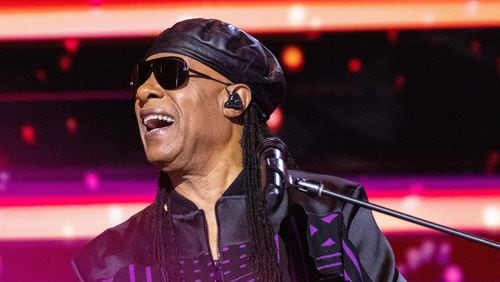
(316, 239)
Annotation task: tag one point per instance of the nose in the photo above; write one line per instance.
(150, 89)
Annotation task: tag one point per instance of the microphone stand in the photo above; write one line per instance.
(317, 189)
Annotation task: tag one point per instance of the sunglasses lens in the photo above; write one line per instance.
(170, 72)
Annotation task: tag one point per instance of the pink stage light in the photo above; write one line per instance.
(71, 45)
(355, 65)
(71, 126)
(399, 82)
(67, 217)
(41, 75)
(65, 63)
(28, 134)
(475, 47)
(275, 121)
(79, 19)
(92, 181)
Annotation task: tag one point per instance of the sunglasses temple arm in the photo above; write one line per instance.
(202, 75)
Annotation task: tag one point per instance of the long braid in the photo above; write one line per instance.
(164, 246)
(263, 252)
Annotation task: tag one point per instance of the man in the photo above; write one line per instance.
(202, 96)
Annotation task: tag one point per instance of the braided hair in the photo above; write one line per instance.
(263, 249)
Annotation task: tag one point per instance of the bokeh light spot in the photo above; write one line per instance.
(292, 57)
(399, 82)
(453, 273)
(115, 215)
(92, 181)
(354, 65)
(28, 134)
(275, 121)
(68, 231)
(491, 216)
(475, 47)
(4, 178)
(41, 75)
(71, 126)
(296, 15)
(65, 63)
(392, 36)
(71, 45)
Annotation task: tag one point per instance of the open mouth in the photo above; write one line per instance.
(157, 121)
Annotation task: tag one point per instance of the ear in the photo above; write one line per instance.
(245, 95)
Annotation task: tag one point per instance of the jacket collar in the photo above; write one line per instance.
(182, 205)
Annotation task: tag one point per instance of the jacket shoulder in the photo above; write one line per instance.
(115, 248)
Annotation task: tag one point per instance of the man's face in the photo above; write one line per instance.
(182, 129)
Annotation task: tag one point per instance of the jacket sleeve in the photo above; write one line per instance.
(373, 249)
(364, 242)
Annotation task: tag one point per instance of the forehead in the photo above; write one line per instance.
(192, 63)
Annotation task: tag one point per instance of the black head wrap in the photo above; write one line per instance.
(230, 51)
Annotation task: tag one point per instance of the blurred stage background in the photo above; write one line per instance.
(403, 97)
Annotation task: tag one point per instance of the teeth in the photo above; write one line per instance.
(155, 121)
(158, 117)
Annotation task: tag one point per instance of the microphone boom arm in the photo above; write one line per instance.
(317, 189)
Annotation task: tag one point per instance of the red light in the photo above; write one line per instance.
(293, 58)
(354, 65)
(28, 134)
(313, 35)
(71, 45)
(392, 35)
(493, 162)
(399, 82)
(275, 121)
(65, 63)
(475, 47)
(95, 3)
(71, 126)
(41, 75)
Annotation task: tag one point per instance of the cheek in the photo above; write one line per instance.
(202, 128)
(196, 109)
(201, 114)
(138, 118)
(136, 109)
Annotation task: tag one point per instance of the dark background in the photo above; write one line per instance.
(423, 101)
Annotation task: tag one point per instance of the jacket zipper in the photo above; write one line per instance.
(217, 263)
(218, 275)
(218, 271)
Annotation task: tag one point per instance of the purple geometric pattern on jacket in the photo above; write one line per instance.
(312, 229)
(234, 266)
(277, 243)
(329, 218)
(330, 248)
(351, 256)
(135, 273)
(323, 231)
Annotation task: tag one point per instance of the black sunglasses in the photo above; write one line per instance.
(170, 72)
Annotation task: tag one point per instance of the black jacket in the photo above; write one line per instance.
(318, 239)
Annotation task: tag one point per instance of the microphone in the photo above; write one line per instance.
(273, 170)
(275, 179)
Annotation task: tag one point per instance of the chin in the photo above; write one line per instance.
(162, 160)
(156, 156)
